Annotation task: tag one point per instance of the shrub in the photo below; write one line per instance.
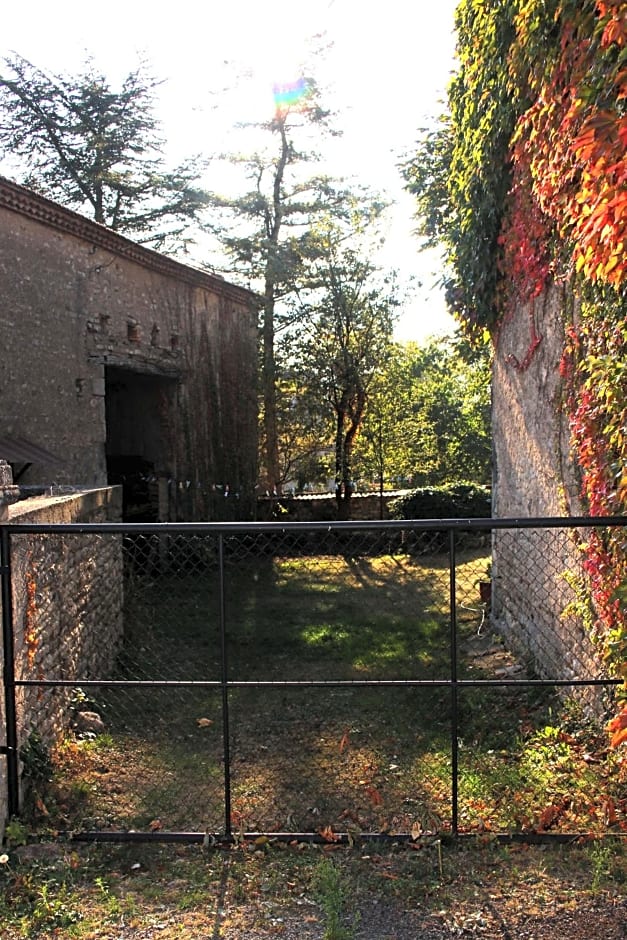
(451, 501)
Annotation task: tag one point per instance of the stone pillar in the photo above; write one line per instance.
(8, 492)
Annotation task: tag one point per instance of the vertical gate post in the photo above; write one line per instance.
(225, 694)
(454, 688)
(8, 675)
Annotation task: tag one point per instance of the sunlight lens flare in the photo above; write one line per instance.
(290, 94)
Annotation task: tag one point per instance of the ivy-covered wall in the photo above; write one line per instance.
(524, 182)
(534, 471)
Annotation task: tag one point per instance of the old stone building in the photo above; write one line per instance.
(118, 364)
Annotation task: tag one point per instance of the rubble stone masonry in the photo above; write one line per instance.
(67, 592)
(533, 601)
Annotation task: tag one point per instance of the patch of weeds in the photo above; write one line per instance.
(37, 770)
(35, 902)
(35, 757)
(15, 833)
(113, 907)
(331, 890)
(52, 910)
(603, 857)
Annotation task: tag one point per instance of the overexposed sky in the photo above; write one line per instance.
(384, 70)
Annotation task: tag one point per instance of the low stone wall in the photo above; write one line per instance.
(323, 508)
(67, 606)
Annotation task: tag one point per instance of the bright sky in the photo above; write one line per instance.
(386, 69)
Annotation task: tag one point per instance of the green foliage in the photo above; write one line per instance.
(347, 330)
(331, 893)
(98, 150)
(15, 833)
(603, 858)
(428, 418)
(36, 762)
(451, 501)
(460, 174)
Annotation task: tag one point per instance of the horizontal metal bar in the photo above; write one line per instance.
(339, 838)
(238, 528)
(117, 683)
(310, 683)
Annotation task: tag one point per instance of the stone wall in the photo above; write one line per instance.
(534, 476)
(111, 351)
(323, 508)
(67, 606)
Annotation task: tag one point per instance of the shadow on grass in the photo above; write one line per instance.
(308, 758)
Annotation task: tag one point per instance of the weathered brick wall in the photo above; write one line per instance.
(535, 477)
(67, 606)
(78, 301)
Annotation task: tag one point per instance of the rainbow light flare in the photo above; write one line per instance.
(289, 94)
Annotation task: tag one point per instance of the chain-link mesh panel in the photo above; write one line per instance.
(312, 612)
(171, 610)
(537, 605)
(368, 759)
(301, 675)
(68, 622)
(152, 761)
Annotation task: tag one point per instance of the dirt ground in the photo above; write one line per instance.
(517, 892)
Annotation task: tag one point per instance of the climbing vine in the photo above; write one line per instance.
(530, 188)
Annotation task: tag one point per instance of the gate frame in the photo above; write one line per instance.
(11, 749)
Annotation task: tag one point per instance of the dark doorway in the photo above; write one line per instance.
(139, 410)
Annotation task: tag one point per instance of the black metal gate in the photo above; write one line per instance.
(211, 682)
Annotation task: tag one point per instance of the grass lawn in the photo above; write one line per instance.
(325, 759)
(321, 759)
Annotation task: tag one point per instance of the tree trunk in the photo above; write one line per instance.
(344, 452)
(269, 393)
(273, 230)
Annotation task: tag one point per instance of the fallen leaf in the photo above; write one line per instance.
(204, 722)
(618, 727)
(375, 797)
(550, 815)
(610, 811)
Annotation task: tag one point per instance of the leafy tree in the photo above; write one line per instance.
(347, 334)
(303, 429)
(386, 447)
(97, 150)
(428, 420)
(270, 237)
